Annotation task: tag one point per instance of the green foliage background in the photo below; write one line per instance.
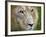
(38, 27)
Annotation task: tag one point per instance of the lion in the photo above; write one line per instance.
(23, 18)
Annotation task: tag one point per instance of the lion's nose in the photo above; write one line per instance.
(30, 21)
(30, 25)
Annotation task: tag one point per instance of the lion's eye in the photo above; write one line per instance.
(32, 10)
(21, 11)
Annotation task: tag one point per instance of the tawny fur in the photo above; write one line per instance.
(29, 16)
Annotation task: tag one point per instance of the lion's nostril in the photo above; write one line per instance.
(30, 25)
(21, 12)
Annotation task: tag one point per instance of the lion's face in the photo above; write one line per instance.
(26, 16)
